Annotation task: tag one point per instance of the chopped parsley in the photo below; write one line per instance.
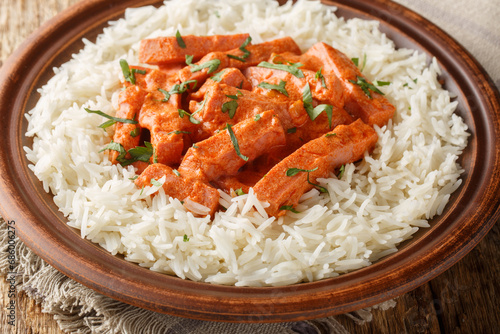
(178, 89)
(141, 153)
(243, 49)
(356, 62)
(341, 172)
(137, 153)
(178, 132)
(129, 74)
(289, 208)
(113, 146)
(292, 69)
(382, 83)
(237, 58)
(231, 106)
(319, 76)
(406, 84)
(212, 65)
(234, 140)
(280, 87)
(156, 183)
(202, 104)
(314, 112)
(180, 41)
(183, 113)
(134, 133)
(185, 238)
(291, 130)
(112, 120)
(366, 86)
(295, 171)
(364, 62)
(218, 76)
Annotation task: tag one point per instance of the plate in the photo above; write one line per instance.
(472, 211)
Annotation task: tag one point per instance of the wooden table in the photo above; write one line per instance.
(464, 299)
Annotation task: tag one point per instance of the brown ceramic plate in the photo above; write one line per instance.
(472, 211)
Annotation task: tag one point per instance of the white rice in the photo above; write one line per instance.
(377, 204)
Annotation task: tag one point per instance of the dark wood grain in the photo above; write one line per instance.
(423, 309)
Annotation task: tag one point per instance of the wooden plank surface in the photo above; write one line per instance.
(464, 299)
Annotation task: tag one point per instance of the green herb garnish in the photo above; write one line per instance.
(185, 238)
(330, 135)
(280, 88)
(141, 153)
(364, 62)
(112, 120)
(414, 80)
(293, 68)
(183, 113)
(366, 86)
(167, 94)
(243, 49)
(134, 133)
(156, 183)
(212, 66)
(341, 172)
(239, 192)
(356, 62)
(176, 172)
(180, 41)
(178, 89)
(382, 83)
(234, 140)
(137, 153)
(202, 104)
(129, 74)
(113, 146)
(230, 107)
(295, 171)
(257, 117)
(177, 132)
(314, 112)
(319, 76)
(237, 58)
(218, 76)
